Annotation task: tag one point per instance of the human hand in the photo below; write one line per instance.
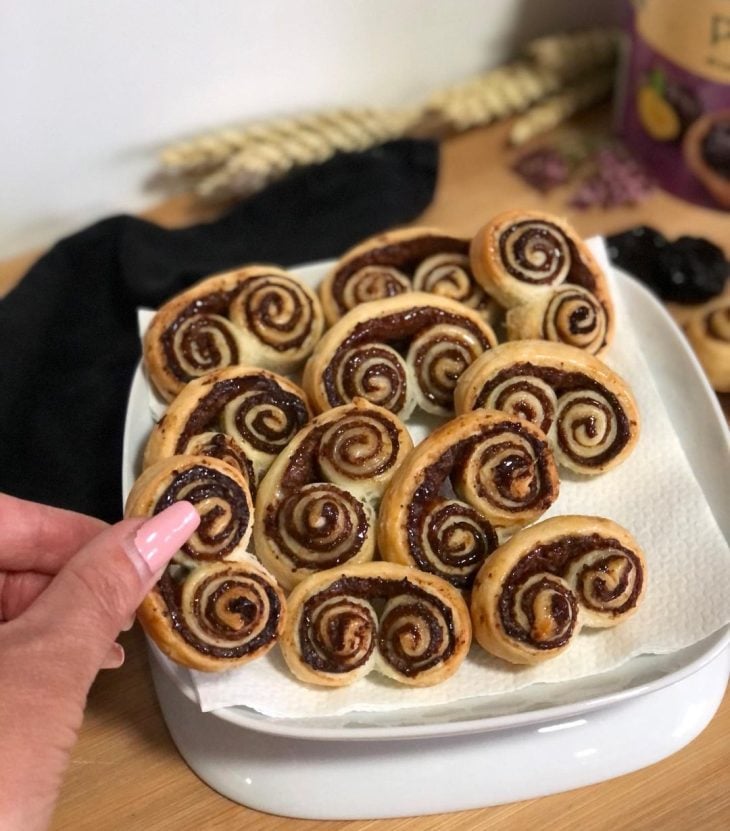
(68, 585)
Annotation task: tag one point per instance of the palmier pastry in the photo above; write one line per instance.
(215, 616)
(537, 590)
(586, 409)
(243, 415)
(420, 259)
(708, 330)
(519, 255)
(504, 476)
(214, 606)
(258, 315)
(569, 314)
(397, 353)
(316, 506)
(346, 622)
(220, 494)
(524, 256)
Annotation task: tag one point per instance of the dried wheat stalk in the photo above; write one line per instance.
(559, 107)
(571, 54)
(242, 160)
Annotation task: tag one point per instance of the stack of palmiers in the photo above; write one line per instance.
(323, 528)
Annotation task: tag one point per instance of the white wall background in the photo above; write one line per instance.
(90, 90)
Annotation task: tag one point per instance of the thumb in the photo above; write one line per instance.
(93, 597)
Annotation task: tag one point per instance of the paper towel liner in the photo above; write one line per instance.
(654, 494)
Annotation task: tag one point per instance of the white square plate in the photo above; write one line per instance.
(703, 433)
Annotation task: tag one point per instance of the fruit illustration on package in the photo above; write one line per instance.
(665, 107)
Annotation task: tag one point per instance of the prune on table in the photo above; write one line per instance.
(618, 179)
(636, 251)
(543, 168)
(696, 270)
(688, 270)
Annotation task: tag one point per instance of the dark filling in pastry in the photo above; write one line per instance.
(448, 523)
(200, 483)
(542, 232)
(223, 447)
(266, 313)
(169, 589)
(428, 494)
(208, 410)
(396, 330)
(215, 303)
(378, 365)
(333, 526)
(555, 557)
(583, 319)
(405, 255)
(525, 408)
(343, 441)
(303, 469)
(418, 603)
(438, 379)
(563, 382)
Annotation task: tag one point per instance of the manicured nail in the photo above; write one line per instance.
(114, 658)
(162, 535)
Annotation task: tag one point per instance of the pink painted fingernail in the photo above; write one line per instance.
(161, 536)
(115, 657)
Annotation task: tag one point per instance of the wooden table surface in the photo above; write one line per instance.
(125, 771)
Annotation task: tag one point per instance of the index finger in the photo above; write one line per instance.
(35, 537)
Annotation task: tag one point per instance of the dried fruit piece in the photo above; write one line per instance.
(688, 270)
(618, 179)
(543, 168)
(696, 270)
(657, 116)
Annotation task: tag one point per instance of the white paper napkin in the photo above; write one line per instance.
(654, 494)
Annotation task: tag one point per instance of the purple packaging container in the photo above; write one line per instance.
(673, 105)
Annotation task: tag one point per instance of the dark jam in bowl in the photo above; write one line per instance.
(716, 147)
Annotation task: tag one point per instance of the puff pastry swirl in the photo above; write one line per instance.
(257, 315)
(708, 330)
(503, 474)
(397, 353)
(242, 414)
(569, 314)
(316, 506)
(536, 591)
(420, 259)
(346, 622)
(586, 409)
(220, 494)
(214, 606)
(525, 257)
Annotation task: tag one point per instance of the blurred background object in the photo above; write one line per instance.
(674, 101)
(554, 77)
(179, 109)
(91, 93)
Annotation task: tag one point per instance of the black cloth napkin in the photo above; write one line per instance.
(68, 331)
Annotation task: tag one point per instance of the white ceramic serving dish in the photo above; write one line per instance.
(663, 700)
(321, 779)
